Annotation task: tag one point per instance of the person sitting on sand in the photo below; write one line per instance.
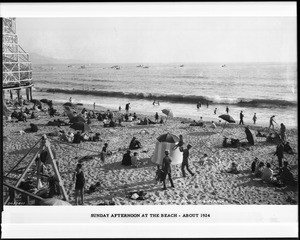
(161, 120)
(254, 164)
(99, 118)
(267, 173)
(286, 175)
(63, 137)
(203, 159)
(258, 170)
(14, 114)
(26, 111)
(112, 123)
(259, 134)
(134, 160)
(180, 143)
(52, 112)
(79, 183)
(134, 117)
(288, 149)
(32, 116)
(225, 143)
(130, 118)
(33, 128)
(233, 168)
(96, 137)
(70, 137)
(77, 138)
(213, 125)
(126, 159)
(134, 144)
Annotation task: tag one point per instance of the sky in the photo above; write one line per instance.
(161, 40)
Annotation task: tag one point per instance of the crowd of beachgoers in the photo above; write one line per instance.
(104, 156)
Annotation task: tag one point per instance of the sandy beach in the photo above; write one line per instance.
(210, 185)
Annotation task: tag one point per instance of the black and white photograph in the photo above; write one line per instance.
(150, 111)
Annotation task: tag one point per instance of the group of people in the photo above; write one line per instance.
(262, 170)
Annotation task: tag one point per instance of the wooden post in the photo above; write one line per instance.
(54, 165)
(24, 173)
(27, 94)
(30, 93)
(18, 93)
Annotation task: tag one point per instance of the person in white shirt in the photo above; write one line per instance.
(213, 125)
(267, 173)
(135, 160)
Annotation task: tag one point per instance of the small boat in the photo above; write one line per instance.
(182, 65)
(145, 67)
(223, 65)
(140, 66)
(83, 66)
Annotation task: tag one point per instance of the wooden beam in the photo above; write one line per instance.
(23, 191)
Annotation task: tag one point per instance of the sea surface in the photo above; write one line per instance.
(263, 88)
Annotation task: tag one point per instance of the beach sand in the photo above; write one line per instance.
(210, 185)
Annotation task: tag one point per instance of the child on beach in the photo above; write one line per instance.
(134, 160)
(79, 183)
(103, 152)
(203, 159)
(159, 175)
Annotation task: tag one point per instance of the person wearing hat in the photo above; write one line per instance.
(166, 167)
(185, 163)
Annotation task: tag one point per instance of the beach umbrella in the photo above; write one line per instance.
(36, 102)
(81, 126)
(168, 112)
(77, 119)
(227, 118)
(168, 137)
(250, 136)
(54, 202)
(69, 104)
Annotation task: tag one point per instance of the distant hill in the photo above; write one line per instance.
(39, 59)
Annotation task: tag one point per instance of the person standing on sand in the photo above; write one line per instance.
(207, 104)
(103, 152)
(166, 167)
(70, 99)
(79, 183)
(156, 117)
(127, 107)
(94, 105)
(185, 162)
(120, 108)
(227, 109)
(279, 153)
(282, 132)
(241, 118)
(254, 118)
(272, 121)
(215, 111)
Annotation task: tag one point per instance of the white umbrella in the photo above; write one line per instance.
(168, 112)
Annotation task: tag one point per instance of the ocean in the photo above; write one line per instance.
(263, 88)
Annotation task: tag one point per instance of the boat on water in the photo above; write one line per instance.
(182, 65)
(83, 66)
(140, 65)
(223, 65)
(70, 66)
(145, 66)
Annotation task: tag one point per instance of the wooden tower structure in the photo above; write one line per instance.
(16, 64)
